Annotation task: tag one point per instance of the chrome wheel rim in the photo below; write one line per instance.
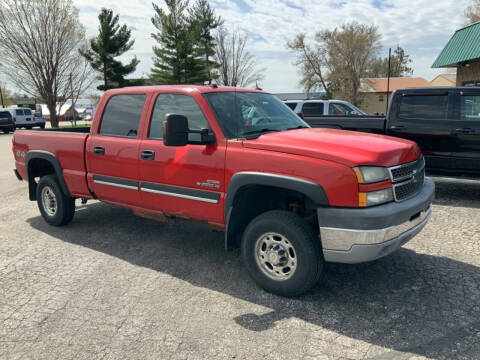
(49, 201)
(275, 256)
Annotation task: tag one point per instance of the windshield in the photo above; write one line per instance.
(251, 114)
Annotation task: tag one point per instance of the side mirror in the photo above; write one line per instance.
(175, 130)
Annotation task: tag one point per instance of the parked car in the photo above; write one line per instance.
(290, 196)
(6, 122)
(22, 117)
(444, 122)
(323, 108)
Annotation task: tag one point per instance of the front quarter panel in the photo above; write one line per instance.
(338, 181)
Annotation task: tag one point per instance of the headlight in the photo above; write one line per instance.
(371, 174)
(375, 197)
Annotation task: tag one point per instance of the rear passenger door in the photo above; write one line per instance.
(186, 181)
(427, 119)
(112, 152)
(467, 132)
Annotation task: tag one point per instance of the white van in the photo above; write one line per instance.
(22, 117)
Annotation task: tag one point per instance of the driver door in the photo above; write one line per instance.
(187, 181)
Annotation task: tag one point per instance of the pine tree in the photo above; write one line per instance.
(178, 59)
(112, 41)
(203, 21)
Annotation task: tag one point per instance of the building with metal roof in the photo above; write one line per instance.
(463, 52)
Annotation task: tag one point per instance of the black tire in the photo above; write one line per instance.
(42, 126)
(28, 127)
(6, 131)
(307, 251)
(65, 205)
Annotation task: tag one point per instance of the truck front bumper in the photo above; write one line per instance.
(360, 235)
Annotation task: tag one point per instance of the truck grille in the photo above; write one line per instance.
(407, 179)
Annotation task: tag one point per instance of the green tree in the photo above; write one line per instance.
(112, 41)
(203, 21)
(175, 60)
(399, 65)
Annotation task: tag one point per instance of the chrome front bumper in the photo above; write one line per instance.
(360, 235)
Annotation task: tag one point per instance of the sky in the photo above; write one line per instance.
(420, 27)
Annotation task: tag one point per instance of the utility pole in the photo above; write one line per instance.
(72, 108)
(1, 91)
(1, 95)
(388, 77)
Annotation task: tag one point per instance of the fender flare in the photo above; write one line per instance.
(310, 189)
(52, 159)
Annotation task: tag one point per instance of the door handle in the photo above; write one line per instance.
(464, 131)
(99, 150)
(148, 155)
(397, 127)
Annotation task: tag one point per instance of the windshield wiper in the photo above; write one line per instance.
(297, 127)
(258, 132)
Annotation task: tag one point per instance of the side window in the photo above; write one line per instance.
(179, 104)
(425, 107)
(19, 112)
(339, 109)
(122, 115)
(291, 105)
(312, 109)
(470, 107)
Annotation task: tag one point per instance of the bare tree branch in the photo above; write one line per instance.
(40, 42)
(237, 66)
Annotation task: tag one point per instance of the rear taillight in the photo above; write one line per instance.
(14, 119)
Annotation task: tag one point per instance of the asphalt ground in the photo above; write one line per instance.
(114, 286)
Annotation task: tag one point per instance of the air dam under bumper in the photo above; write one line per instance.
(360, 235)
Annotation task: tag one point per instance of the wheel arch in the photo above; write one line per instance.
(40, 163)
(252, 193)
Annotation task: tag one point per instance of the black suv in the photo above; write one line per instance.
(6, 122)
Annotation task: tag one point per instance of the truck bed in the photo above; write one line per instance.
(67, 145)
(364, 123)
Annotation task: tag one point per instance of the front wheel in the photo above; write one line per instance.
(56, 208)
(282, 253)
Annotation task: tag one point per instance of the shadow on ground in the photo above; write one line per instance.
(407, 302)
(463, 193)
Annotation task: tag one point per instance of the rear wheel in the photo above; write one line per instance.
(282, 253)
(56, 207)
(6, 131)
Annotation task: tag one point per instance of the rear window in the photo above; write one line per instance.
(122, 115)
(291, 105)
(312, 109)
(427, 107)
(19, 112)
(27, 111)
(5, 114)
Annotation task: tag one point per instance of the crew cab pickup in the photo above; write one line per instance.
(290, 196)
(444, 122)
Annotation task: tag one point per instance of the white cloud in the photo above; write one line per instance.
(422, 28)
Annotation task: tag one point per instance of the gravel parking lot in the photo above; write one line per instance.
(112, 286)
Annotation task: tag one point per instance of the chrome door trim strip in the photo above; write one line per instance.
(115, 185)
(183, 196)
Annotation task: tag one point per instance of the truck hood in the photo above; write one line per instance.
(345, 147)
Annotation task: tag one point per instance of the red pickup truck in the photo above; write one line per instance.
(290, 196)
